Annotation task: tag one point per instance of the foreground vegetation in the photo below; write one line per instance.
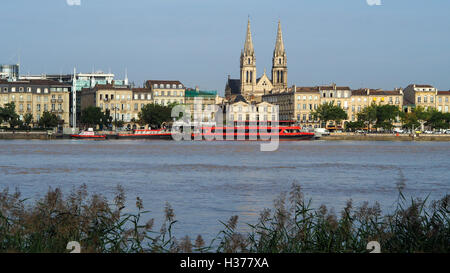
(292, 226)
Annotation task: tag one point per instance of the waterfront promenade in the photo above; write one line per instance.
(48, 135)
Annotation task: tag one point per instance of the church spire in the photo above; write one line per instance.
(279, 45)
(248, 46)
(279, 63)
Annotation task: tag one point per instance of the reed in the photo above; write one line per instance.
(291, 226)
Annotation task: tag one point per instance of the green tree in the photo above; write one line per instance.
(27, 120)
(368, 115)
(155, 115)
(386, 115)
(329, 112)
(438, 120)
(8, 114)
(353, 126)
(92, 116)
(48, 120)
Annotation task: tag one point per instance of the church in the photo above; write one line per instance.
(250, 88)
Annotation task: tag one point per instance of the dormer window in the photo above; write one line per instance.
(155, 86)
(180, 86)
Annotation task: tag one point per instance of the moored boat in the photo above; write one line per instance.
(146, 134)
(252, 133)
(89, 134)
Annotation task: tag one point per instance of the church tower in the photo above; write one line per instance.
(248, 65)
(279, 63)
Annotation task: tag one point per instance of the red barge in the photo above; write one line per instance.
(89, 134)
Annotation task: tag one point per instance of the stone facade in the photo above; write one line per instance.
(36, 96)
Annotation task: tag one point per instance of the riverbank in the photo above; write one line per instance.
(384, 137)
(41, 135)
(44, 135)
(102, 226)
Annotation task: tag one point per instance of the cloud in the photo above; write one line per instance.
(374, 2)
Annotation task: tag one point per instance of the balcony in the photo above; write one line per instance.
(60, 100)
(53, 100)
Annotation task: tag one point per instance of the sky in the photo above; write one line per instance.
(357, 43)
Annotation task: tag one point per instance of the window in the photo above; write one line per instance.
(38, 106)
(425, 99)
(431, 99)
(149, 97)
(46, 90)
(419, 99)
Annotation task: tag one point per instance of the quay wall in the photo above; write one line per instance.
(28, 135)
(385, 137)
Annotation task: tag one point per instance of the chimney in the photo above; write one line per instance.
(368, 91)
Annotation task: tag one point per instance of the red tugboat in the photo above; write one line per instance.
(146, 134)
(89, 134)
(285, 131)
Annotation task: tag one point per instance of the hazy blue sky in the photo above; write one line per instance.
(199, 41)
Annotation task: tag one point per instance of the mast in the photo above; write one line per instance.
(74, 100)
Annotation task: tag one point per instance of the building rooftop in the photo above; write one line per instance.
(34, 82)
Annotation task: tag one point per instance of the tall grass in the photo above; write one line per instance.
(292, 226)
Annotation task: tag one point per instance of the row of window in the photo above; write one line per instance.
(29, 98)
(167, 86)
(169, 94)
(54, 107)
(431, 99)
(38, 90)
(339, 94)
(251, 109)
(240, 117)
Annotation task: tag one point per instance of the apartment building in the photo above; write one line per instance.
(166, 92)
(37, 96)
(241, 111)
(443, 101)
(123, 102)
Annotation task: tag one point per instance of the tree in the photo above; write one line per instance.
(27, 120)
(368, 115)
(328, 111)
(92, 116)
(48, 120)
(155, 115)
(386, 115)
(8, 114)
(438, 120)
(353, 126)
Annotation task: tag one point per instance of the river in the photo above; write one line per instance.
(210, 181)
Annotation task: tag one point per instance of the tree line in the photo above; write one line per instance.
(9, 115)
(383, 117)
(153, 115)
